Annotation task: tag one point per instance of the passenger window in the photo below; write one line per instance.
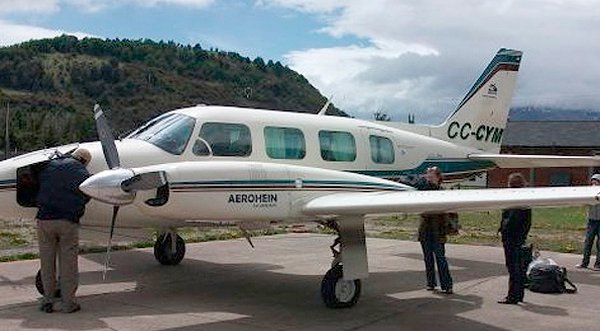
(285, 143)
(382, 150)
(226, 139)
(337, 146)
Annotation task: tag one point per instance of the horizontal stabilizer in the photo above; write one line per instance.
(363, 203)
(537, 161)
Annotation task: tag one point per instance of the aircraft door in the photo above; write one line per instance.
(384, 153)
(28, 184)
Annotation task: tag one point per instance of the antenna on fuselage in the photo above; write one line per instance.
(325, 107)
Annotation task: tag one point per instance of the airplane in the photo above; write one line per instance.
(204, 164)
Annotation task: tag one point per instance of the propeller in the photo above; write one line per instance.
(111, 155)
(109, 245)
(106, 139)
(116, 186)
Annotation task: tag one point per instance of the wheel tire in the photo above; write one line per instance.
(338, 293)
(38, 282)
(162, 250)
(39, 285)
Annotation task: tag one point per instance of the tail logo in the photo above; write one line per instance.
(492, 90)
(483, 132)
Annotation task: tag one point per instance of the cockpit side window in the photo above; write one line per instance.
(170, 132)
(225, 139)
(201, 148)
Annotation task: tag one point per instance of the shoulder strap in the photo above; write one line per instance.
(570, 290)
(573, 288)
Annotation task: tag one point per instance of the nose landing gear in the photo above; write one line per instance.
(169, 248)
(40, 286)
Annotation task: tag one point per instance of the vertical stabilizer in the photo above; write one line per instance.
(480, 118)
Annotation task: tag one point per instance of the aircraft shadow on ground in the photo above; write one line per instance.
(264, 298)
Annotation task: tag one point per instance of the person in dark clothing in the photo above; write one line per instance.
(60, 205)
(514, 228)
(592, 232)
(433, 237)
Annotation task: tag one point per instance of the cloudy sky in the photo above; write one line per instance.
(394, 56)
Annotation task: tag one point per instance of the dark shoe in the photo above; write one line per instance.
(71, 308)
(581, 266)
(596, 268)
(47, 307)
(430, 288)
(507, 301)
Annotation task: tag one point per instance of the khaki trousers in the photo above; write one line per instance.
(59, 238)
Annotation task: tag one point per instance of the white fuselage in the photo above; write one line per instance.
(264, 182)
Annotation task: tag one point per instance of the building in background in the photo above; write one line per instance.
(550, 138)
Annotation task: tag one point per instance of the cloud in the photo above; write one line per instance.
(17, 33)
(313, 6)
(421, 56)
(154, 3)
(25, 6)
(49, 6)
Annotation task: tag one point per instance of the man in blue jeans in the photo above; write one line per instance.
(592, 232)
(433, 236)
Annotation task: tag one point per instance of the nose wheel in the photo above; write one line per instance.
(169, 249)
(40, 286)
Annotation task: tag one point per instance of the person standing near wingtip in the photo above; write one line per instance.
(60, 206)
(515, 226)
(592, 232)
(433, 237)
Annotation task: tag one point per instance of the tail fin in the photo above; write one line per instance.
(480, 118)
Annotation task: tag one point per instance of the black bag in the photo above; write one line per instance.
(549, 278)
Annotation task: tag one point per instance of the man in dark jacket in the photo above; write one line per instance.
(433, 237)
(515, 229)
(60, 205)
(592, 232)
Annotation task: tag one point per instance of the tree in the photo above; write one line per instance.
(259, 62)
(381, 116)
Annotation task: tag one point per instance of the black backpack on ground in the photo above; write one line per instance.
(549, 278)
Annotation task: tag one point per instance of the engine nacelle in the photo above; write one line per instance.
(106, 186)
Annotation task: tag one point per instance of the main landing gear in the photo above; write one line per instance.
(169, 248)
(336, 291)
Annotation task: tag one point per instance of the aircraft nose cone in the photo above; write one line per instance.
(105, 186)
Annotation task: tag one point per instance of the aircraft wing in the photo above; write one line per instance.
(362, 203)
(537, 161)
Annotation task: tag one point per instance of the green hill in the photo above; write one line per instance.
(52, 84)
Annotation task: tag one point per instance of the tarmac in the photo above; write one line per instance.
(226, 285)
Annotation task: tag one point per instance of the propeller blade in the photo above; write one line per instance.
(106, 139)
(109, 246)
(144, 181)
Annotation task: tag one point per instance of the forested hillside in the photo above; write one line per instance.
(52, 84)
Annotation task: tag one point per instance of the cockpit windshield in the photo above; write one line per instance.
(170, 132)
